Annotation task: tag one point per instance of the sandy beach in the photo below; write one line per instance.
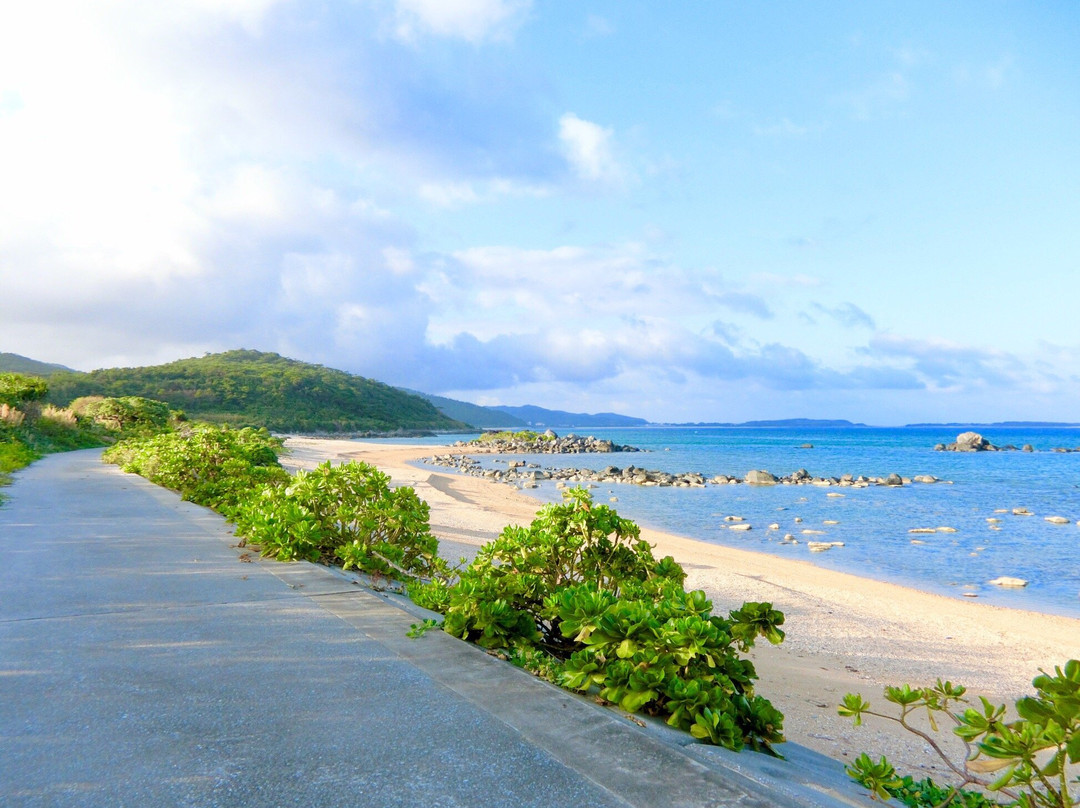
(844, 633)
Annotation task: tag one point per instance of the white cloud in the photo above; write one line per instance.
(588, 148)
(457, 194)
(448, 195)
(471, 20)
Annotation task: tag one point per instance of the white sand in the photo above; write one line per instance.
(844, 633)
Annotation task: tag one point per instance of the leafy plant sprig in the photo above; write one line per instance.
(1032, 758)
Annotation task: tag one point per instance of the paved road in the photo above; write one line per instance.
(146, 661)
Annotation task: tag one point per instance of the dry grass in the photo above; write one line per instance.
(11, 416)
(58, 415)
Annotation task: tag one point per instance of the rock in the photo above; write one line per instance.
(970, 595)
(1028, 448)
(740, 526)
(1022, 512)
(733, 519)
(807, 446)
(835, 494)
(798, 519)
(831, 522)
(968, 442)
(992, 520)
(1057, 520)
(1007, 581)
(821, 546)
(925, 478)
(946, 530)
(774, 526)
(971, 442)
(917, 541)
(760, 477)
(923, 530)
(894, 480)
(809, 532)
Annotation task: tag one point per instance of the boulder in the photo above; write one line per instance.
(971, 442)
(1012, 583)
(760, 477)
(894, 480)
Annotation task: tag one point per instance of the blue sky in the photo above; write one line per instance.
(681, 211)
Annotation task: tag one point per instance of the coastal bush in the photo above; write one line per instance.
(131, 415)
(580, 598)
(526, 435)
(15, 388)
(1030, 760)
(348, 513)
(219, 467)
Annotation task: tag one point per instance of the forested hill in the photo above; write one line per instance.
(264, 389)
(14, 363)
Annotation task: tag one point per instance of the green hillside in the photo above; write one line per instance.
(265, 389)
(13, 363)
(471, 414)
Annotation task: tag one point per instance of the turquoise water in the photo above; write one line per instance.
(873, 522)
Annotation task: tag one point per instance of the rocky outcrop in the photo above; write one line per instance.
(548, 443)
(972, 442)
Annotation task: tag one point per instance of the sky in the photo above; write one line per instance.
(680, 211)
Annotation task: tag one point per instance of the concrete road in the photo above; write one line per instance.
(146, 661)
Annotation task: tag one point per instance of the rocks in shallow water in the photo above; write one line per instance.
(821, 546)
(946, 530)
(970, 442)
(923, 530)
(1057, 520)
(521, 470)
(739, 526)
(1022, 512)
(1010, 582)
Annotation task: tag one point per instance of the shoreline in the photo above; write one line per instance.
(844, 633)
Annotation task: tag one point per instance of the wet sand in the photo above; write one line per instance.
(844, 633)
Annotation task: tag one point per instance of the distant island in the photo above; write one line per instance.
(999, 424)
(799, 423)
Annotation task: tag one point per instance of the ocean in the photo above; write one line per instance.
(873, 523)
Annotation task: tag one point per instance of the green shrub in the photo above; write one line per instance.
(15, 388)
(1031, 760)
(14, 455)
(527, 435)
(348, 513)
(133, 416)
(579, 597)
(214, 466)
